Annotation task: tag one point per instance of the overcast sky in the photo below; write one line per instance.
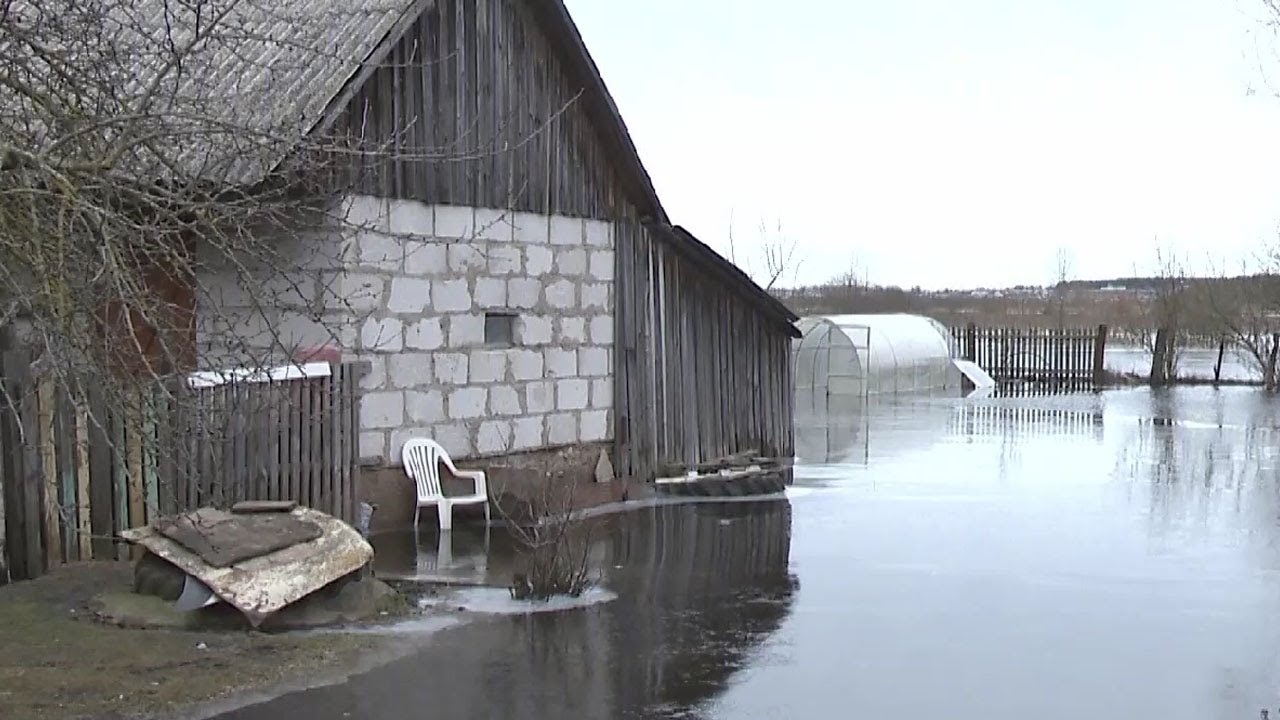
(954, 144)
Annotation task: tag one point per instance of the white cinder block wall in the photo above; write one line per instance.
(422, 278)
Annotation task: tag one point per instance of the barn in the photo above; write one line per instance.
(502, 264)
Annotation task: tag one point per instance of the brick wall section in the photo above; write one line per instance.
(426, 275)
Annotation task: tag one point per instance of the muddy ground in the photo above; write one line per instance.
(57, 660)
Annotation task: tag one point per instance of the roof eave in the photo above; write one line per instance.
(687, 242)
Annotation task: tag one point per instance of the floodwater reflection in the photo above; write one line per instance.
(1108, 556)
(699, 587)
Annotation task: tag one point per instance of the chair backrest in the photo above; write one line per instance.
(422, 458)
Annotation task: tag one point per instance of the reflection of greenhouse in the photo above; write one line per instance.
(866, 355)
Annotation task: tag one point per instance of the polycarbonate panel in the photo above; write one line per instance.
(875, 354)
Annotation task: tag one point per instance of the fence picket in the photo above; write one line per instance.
(76, 469)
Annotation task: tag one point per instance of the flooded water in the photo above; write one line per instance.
(1193, 363)
(1097, 556)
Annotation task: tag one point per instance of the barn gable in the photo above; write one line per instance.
(493, 104)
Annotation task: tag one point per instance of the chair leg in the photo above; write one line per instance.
(488, 518)
(445, 510)
(416, 510)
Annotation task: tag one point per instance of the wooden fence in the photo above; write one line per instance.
(1062, 359)
(75, 471)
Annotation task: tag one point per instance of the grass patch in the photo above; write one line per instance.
(56, 662)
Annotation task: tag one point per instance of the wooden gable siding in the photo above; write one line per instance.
(701, 372)
(474, 106)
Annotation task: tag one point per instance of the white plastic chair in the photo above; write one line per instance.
(422, 458)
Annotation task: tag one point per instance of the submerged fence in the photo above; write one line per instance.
(1061, 359)
(76, 471)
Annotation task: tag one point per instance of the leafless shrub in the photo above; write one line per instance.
(553, 540)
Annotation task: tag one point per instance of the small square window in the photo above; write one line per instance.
(499, 329)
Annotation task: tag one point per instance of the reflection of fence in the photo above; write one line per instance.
(1066, 359)
(75, 471)
(1009, 421)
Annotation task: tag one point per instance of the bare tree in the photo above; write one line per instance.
(1062, 274)
(1246, 309)
(160, 156)
(779, 254)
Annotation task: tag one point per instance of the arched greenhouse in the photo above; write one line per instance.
(867, 355)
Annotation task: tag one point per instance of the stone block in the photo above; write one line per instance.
(504, 400)
(494, 437)
(488, 366)
(373, 445)
(602, 264)
(560, 362)
(365, 211)
(594, 426)
(425, 258)
(382, 335)
(573, 330)
(595, 296)
(455, 438)
(426, 406)
(571, 261)
(359, 293)
(466, 258)
(566, 230)
(602, 393)
(562, 294)
(494, 225)
(573, 394)
(380, 252)
(402, 436)
(538, 260)
(523, 293)
(562, 429)
(455, 222)
(381, 410)
(451, 296)
(468, 403)
(528, 432)
(534, 330)
(410, 217)
(409, 295)
(599, 233)
(594, 361)
(451, 368)
(466, 331)
(529, 228)
(602, 330)
(525, 364)
(426, 334)
(490, 292)
(411, 370)
(539, 397)
(505, 259)
(376, 376)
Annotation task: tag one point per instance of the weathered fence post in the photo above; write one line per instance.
(1100, 356)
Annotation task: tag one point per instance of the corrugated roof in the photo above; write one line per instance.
(263, 70)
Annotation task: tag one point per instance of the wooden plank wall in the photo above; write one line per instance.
(701, 374)
(74, 474)
(476, 106)
(1059, 358)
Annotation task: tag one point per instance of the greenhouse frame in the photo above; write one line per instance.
(870, 355)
